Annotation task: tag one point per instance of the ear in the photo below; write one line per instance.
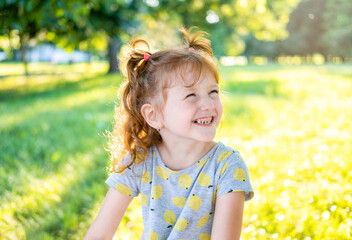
(151, 115)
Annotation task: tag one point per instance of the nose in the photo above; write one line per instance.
(207, 104)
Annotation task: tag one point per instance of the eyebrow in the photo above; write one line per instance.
(193, 87)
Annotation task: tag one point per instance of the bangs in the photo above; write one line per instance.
(169, 75)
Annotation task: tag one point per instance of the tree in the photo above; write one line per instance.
(338, 28)
(255, 47)
(306, 29)
(25, 19)
(119, 20)
(229, 20)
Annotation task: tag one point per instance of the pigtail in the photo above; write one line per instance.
(136, 136)
(135, 63)
(197, 41)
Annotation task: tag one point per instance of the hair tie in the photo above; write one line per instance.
(146, 57)
(191, 48)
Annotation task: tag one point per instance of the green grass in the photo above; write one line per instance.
(292, 124)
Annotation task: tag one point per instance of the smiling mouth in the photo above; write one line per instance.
(204, 121)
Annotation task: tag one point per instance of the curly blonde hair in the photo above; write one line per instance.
(146, 79)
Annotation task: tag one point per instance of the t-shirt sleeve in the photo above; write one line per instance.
(128, 182)
(233, 176)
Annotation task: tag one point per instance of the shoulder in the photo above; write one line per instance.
(135, 166)
(232, 172)
(228, 159)
(225, 153)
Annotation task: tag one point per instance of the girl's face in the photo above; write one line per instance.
(191, 113)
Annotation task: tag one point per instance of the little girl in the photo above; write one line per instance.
(190, 186)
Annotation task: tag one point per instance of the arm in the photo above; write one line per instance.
(109, 216)
(228, 216)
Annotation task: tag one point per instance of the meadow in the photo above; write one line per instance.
(292, 124)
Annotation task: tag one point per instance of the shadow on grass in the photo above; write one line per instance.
(39, 147)
(40, 142)
(57, 87)
(39, 138)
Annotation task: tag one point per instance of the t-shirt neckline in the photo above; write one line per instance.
(187, 169)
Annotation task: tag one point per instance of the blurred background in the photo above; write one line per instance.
(286, 76)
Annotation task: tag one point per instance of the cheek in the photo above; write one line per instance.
(219, 108)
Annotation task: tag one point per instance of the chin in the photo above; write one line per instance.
(209, 138)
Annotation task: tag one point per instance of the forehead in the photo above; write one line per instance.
(190, 77)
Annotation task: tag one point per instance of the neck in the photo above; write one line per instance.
(178, 156)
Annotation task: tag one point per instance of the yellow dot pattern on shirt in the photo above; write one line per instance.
(144, 199)
(203, 220)
(204, 236)
(185, 181)
(204, 179)
(170, 217)
(179, 201)
(195, 202)
(201, 163)
(240, 174)
(123, 189)
(157, 191)
(146, 177)
(224, 155)
(153, 235)
(161, 171)
(181, 224)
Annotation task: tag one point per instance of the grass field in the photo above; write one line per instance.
(292, 124)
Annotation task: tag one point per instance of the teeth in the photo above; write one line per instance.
(203, 121)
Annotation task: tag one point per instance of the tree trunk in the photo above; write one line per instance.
(23, 41)
(113, 51)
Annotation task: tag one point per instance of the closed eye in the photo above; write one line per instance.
(191, 95)
(214, 91)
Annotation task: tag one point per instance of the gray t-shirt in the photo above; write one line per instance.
(180, 204)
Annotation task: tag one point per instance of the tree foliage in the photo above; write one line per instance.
(315, 26)
(229, 20)
(338, 27)
(25, 19)
(236, 26)
(306, 29)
